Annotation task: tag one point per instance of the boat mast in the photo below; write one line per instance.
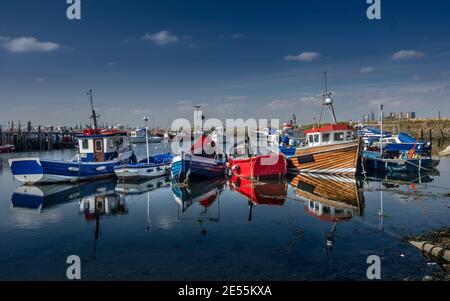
(94, 114)
(327, 101)
(146, 138)
(381, 135)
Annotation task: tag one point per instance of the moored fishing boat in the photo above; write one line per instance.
(153, 166)
(401, 153)
(99, 152)
(140, 136)
(331, 149)
(404, 162)
(258, 167)
(203, 160)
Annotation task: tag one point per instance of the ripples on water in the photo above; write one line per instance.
(303, 228)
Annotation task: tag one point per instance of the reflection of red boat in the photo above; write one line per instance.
(9, 148)
(264, 166)
(260, 193)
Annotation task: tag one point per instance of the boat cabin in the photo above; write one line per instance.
(97, 145)
(330, 134)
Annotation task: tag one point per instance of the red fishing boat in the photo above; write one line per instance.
(258, 167)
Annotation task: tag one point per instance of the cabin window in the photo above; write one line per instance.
(311, 139)
(326, 137)
(338, 136)
(85, 144)
(316, 138)
(98, 146)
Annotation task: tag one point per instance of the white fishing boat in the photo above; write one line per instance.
(138, 136)
(151, 167)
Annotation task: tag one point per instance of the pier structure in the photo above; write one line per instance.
(36, 138)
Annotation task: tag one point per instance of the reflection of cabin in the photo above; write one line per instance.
(330, 134)
(329, 213)
(109, 204)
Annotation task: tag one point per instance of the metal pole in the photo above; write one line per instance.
(381, 135)
(146, 138)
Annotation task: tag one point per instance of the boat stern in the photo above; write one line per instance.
(27, 170)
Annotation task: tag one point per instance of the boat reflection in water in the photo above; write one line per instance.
(204, 193)
(140, 187)
(270, 193)
(331, 199)
(395, 180)
(44, 197)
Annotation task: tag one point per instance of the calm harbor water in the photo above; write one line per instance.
(219, 230)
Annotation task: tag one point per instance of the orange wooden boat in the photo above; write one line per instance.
(331, 149)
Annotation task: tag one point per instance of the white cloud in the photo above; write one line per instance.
(279, 104)
(111, 64)
(161, 38)
(303, 57)
(40, 80)
(27, 44)
(237, 36)
(367, 70)
(235, 98)
(407, 54)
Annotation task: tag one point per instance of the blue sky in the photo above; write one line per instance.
(246, 59)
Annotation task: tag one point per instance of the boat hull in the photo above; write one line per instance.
(34, 170)
(372, 162)
(341, 158)
(269, 166)
(191, 165)
(141, 170)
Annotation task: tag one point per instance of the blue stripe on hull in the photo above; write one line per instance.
(85, 170)
(60, 171)
(26, 167)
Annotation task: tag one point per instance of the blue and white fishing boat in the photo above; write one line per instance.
(199, 162)
(406, 162)
(152, 167)
(399, 153)
(99, 152)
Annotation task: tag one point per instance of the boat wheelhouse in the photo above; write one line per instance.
(330, 134)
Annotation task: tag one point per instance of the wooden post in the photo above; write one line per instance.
(431, 137)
